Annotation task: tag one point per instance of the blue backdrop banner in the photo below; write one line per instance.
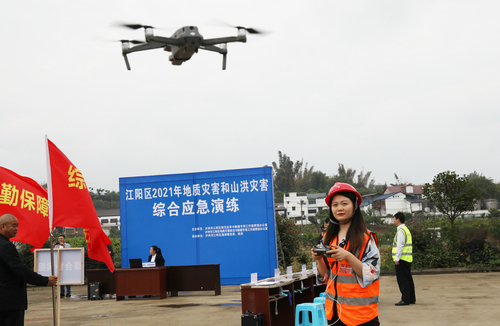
(218, 217)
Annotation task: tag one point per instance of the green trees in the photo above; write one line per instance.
(486, 186)
(296, 176)
(284, 173)
(105, 198)
(290, 239)
(452, 194)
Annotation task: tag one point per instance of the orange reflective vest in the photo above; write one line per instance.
(357, 305)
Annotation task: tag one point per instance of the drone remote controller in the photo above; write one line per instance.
(321, 249)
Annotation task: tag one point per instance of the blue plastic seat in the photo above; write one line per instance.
(320, 300)
(322, 294)
(314, 312)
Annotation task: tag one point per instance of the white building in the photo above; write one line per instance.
(395, 199)
(109, 219)
(300, 206)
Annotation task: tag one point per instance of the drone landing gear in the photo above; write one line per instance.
(126, 61)
(222, 50)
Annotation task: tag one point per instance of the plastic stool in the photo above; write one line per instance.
(317, 313)
(320, 300)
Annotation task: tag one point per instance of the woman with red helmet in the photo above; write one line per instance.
(353, 264)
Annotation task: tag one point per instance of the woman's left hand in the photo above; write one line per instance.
(339, 253)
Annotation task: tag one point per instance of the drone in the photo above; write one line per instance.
(185, 42)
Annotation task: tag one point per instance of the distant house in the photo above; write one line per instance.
(108, 217)
(300, 206)
(279, 208)
(395, 199)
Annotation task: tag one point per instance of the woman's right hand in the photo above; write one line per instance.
(315, 256)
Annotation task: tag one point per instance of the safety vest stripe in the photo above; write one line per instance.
(352, 301)
(406, 245)
(343, 279)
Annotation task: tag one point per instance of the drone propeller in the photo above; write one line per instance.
(132, 26)
(249, 29)
(136, 26)
(132, 41)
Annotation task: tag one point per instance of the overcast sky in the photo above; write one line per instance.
(406, 87)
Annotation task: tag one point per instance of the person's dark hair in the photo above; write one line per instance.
(400, 216)
(357, 229)
(62, 235)
(157, 250)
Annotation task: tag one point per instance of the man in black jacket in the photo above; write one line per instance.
(14, 275)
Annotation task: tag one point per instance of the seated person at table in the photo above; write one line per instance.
(155, 255)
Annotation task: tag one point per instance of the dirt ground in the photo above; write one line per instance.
(444, 299)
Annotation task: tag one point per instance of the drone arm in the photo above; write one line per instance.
(213, 49)
(213, 41)
(143, 47)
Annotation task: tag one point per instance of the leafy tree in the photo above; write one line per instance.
(104, 198)
(361, 181)
(303, 177)
(278, 196)
(486, 186)
(319, 181)
(364, 180)
(345, 176)
(494, 212)
(398, 181)
(290, 239)
(284, 173)
(452, 194)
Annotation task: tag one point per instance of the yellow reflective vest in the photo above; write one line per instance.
(407, 254)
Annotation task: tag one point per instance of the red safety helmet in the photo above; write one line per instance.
(339, 187)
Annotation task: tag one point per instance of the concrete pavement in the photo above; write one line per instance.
(445, 299)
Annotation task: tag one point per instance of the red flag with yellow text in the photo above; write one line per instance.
(72, 205)
(27, 200)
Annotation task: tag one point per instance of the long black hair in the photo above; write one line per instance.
(357, 229)
(157, 250)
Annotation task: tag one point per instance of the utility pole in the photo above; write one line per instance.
(302, 215)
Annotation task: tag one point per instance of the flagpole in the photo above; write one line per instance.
(51, 214)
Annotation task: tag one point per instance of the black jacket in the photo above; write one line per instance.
(159, 260)
(14, 275)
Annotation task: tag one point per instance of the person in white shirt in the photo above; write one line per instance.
(63, 244)
(402, 253)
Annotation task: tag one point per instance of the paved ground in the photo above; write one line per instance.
(446, 299)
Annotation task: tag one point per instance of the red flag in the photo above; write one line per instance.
(27, 200)
(72, 205)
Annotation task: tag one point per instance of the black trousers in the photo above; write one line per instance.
(12, 318)
(405, 282)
